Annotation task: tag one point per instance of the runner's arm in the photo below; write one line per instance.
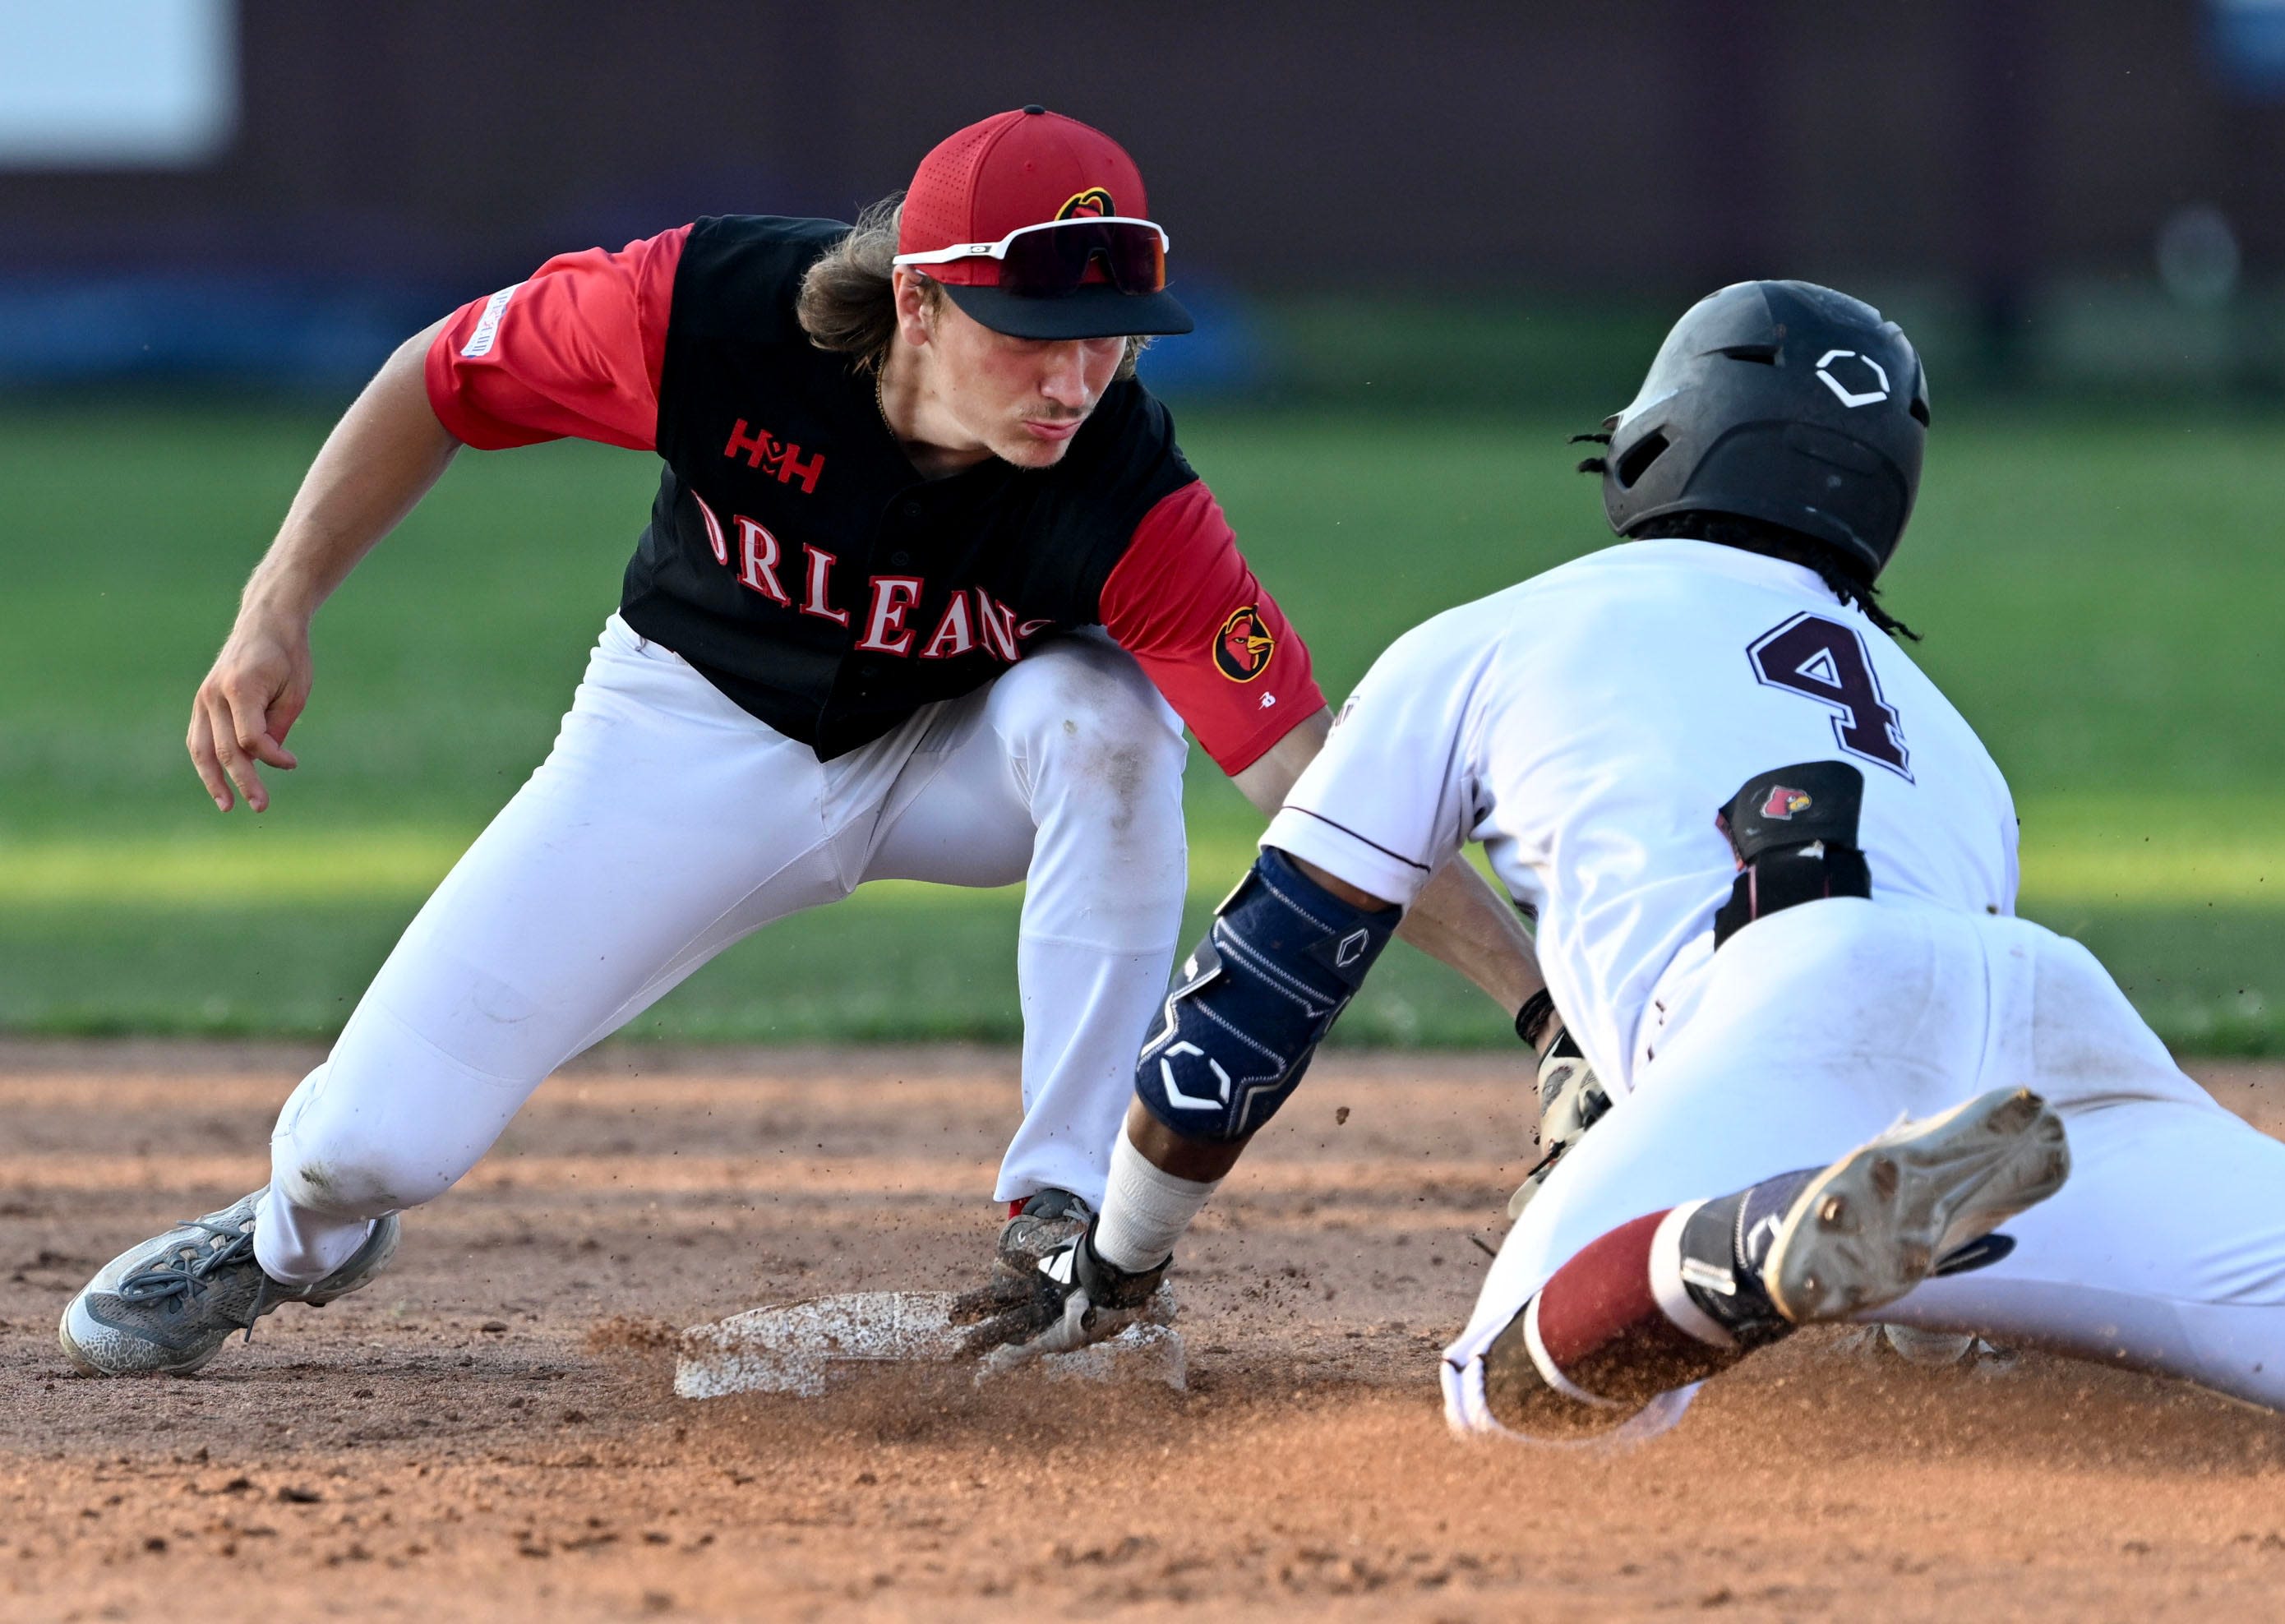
(1456, 918)
(1183, 601)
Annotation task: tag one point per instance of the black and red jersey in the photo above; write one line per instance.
(796, 558)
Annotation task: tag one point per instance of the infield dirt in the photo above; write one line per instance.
(488, 1432)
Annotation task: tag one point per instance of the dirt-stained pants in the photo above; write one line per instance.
(666, 824)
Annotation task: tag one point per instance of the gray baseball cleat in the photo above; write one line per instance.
(1867, 1229)
(1832, 1243)
(166, 1308)
(1038, 1225)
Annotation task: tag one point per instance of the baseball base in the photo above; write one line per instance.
(804, 1348)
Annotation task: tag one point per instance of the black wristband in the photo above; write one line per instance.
(1531, 1020)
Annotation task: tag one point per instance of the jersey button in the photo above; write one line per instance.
(910, 510)
(899, 559)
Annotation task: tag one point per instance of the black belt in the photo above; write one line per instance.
(1794, 834)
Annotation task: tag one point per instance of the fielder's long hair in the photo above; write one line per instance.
(848, 303)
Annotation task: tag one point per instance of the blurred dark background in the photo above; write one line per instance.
(1465, 201)
(1425, 244)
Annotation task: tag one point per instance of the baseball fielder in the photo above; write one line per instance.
(1775, 875)
(928, 592)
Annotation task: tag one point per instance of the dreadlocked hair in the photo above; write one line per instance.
(1775, 541)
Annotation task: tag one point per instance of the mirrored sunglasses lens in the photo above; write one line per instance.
(1049, 263)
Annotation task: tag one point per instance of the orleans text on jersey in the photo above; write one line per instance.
(794, 555)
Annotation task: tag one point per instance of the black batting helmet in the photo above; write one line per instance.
(1782, 402)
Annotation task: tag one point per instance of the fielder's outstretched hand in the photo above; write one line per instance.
(1074, 1298)
(238, 721)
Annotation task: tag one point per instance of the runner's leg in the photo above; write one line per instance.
(2165, 1252)
(1818, 1028)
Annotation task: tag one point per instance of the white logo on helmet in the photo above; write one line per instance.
(1841, 392)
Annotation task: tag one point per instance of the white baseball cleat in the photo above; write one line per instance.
(166, 1308)
(1882, 1218)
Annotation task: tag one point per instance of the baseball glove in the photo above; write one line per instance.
(1571, 1101)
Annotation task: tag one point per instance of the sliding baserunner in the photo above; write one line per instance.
(1775, 874)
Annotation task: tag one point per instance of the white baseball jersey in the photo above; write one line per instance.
(1587, 725)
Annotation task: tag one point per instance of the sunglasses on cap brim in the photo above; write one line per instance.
(1051, 259)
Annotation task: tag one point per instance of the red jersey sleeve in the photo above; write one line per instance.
(572, 352)
(1184, 603)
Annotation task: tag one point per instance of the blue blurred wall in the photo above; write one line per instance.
(387, 162)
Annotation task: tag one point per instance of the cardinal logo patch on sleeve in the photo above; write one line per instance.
(1783, 802)
(1243, 645)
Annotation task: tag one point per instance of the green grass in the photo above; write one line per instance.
(2098, 596)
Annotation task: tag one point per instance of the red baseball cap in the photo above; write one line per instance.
(1030, 167)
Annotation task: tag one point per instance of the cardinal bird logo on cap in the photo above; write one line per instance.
(1093, 204)
(1783, 802)
(1244, 644)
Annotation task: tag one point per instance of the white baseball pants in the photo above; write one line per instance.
(665, 824)
(1821, 1025)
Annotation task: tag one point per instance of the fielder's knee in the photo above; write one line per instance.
(355, 1143)
(344, 1179)
(1092, 719)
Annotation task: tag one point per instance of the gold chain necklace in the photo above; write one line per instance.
(880, 400)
